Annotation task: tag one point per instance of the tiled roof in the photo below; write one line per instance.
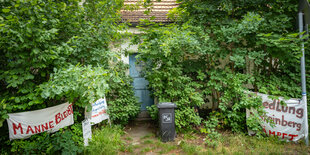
(159, 10)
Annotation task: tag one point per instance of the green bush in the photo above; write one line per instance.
(61, 142)
(219, 50)
(106, 140)
(123, 105)
(165, 50)
(55, 52)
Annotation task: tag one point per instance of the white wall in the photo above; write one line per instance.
(125, 46)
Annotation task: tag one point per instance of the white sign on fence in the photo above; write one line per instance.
(99, 111)
(24, 124)
(86, 131)
(289, 120)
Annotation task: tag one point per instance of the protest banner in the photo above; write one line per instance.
(288, 119)
(24, 124)
(99, 111)
(86, 131)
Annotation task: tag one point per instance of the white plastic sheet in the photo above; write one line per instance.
(24, 124)
(288, 120)
(99, 111)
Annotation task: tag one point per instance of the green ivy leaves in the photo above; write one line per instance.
(217, 51)
(54, 52)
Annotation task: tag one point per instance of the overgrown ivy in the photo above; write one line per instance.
(216, 51)
(122, 102)
(55, 52)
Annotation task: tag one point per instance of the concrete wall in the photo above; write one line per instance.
(125, 47)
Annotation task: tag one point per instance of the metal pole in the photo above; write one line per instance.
(303, 76)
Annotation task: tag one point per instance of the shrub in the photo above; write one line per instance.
(219, 50)
(61, 142)
(123, 105)
(106, 140)
(55, 52)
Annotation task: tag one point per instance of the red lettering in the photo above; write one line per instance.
(95, 115)
(29, 129)
(44, 127)
(298, 126)
(272, 133)
(62, 117)
(265, 104)
(65, 114)
(70, 109)
(289, 124)
(292, 136)
(17, 127)
(278, 133)
(265, 130)
(37, 129)
(272, 105)
(278, 109)
(284, 122)
(51, 123)
(294, 124)
(284, 108)
(57, 118)
(283, 135)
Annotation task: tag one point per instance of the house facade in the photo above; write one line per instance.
(157, 12)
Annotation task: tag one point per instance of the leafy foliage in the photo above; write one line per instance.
(40, 37)
(106, 140)
(79, 85)
(209, 128)
(123, 105)
(166, 75)
(60, 142)
(216, 51)
(55, 52)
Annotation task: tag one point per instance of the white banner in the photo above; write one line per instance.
(99, 111)
(288, 120)
(86, 131)
(24, 124)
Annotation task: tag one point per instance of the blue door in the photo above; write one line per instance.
(139, 83)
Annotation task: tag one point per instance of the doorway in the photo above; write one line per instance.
(139, 83)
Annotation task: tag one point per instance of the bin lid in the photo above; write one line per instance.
(166, 105)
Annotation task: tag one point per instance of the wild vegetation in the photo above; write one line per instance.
(55, 52)
(192, 144)
(123, 141)
(214, 53)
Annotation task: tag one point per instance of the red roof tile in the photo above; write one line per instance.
(158, 9)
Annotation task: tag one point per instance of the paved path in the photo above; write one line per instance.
(139, 129)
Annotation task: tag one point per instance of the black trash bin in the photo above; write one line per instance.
(166, 121)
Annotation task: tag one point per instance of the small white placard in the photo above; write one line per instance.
(86, 131)
(99, 111)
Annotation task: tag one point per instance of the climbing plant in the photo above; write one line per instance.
(122, 102)
(216, 51)
(55, 52)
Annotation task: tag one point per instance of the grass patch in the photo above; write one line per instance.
(150, 135)
(167, 149)
(106, 140)
(228, 143)
(189, 136)
(127, 148)
(128, 138)
(190, 148)
(148, 141)
(146, 149)
(243, 144)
